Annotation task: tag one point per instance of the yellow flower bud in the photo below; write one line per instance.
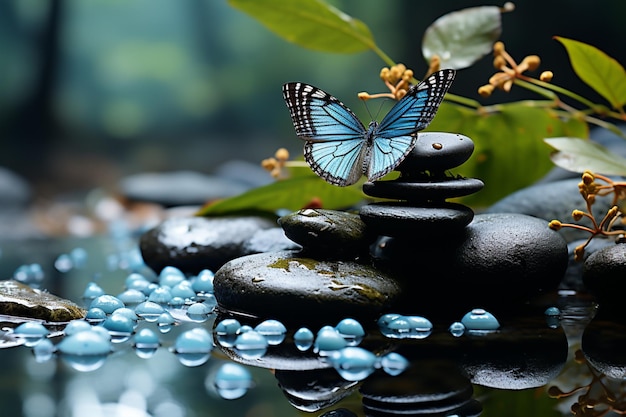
(400, 92)
(269, 164)
(363, 95)
(499, 62)
(555, 225)
(532, 62)
(498, 48)
(485, 90)
(384, 73)
(579, 252)
(282, 154)
(577, 215)
(546, 76)
(588, 177)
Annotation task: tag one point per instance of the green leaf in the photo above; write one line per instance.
(509, 152)
(461, 38)
(598, 70)
(310, 23)
(291, 194)
(578, 155)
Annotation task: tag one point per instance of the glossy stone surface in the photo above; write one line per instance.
(399, 219)
(196, 243)
(20, 300)
(437, 151)
(287, 287)
(327, 232)
(423, 189)
(603, 275)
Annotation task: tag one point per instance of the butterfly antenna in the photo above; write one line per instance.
(382, 103)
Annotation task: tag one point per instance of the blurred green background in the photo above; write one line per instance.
(91, 91)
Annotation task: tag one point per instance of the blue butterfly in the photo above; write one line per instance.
(339, 149)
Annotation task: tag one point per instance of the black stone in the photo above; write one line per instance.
(414, 190)
(196, 243)
(497, 262)
(327, 232)
(302, 291)
(603, 275)
(437, 152)
(400, 219)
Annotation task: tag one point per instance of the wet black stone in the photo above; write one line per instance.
(497, 261)
(603, 275)
(327, 232)
(302, 291)
(400, 219)
(269, 240)
(314, 390)
(427, 190)
(573, 279)
(603, 344)
(437, 151)
(23, 302)
(196, 243)
(552, 201)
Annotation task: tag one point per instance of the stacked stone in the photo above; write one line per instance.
(423, 188)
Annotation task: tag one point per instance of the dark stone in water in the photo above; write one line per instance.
(269, 240)
(297, 290)
(19, 301)
(196, 243)
(399, 219)
(495, 260)
(328, 232)
(603, 344)
(604, 274)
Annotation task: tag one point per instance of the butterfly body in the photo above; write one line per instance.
(340, 149)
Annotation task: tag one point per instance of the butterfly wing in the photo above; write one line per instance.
(335, 138)
(396, 135)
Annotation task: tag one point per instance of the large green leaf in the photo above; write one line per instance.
(461, 38)
(291, 194)
(310, 23)
(509, 150)
(601, 72)
(578, 155)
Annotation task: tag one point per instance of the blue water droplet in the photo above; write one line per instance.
(106, 303)
(199, 312)
(76, 326)
(232, 381)
(95, 315)
(226, 332)
(63, 263)
(457, 329)
(385, 319)
(79, 257)
(251, 345)
(408, 327)
(149, 311)
(552, 311)
(160, 295)
(146, 343)
(165, 322)
(353, 363)
(85, 351)
(176, 303)
(119, 326)
(303, 339)
(479, 320)
(43, 351)
(137, 282)
(393, 363)
(328, 340)
(193, 347)
(273, 330)
(170, 276)
(31, 333)
(92, 291)
(29, 274)
(351, 330)
(132, 297)
(183, 290)
(203, 282)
